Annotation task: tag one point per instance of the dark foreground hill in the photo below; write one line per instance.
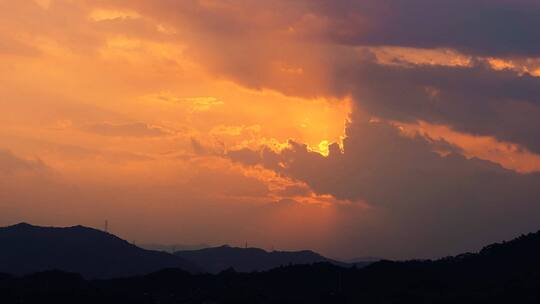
(217, 259)
(501, 273)
(94, 254)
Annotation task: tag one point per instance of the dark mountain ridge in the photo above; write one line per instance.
(507, 272)
(90, 252)
(217, 259)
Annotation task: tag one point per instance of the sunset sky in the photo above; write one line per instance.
(397, 129)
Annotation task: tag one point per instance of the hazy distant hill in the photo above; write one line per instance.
(174, 247)
(217, 259)
(90, 252)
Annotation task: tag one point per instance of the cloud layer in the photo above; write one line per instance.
(222, 120)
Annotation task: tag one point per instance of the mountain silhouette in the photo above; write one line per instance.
(507, 272)
(89, 252)
(509, 259)
(217, 259)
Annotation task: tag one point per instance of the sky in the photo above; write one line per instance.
(398, 129)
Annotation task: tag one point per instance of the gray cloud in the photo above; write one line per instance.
(479, 27)
(475, 100)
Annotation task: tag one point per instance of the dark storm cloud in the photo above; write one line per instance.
(479, 27)
(476, 100)
(376, 156)
(432, 197)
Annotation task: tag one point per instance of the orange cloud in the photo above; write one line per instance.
(508, 155)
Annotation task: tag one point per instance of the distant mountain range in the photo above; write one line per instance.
(97, 254)
(507, 272)
(217, 259)
(90, 252)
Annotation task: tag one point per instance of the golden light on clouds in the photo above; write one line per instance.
(508, 155)
(402, 55)
(120, 114)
